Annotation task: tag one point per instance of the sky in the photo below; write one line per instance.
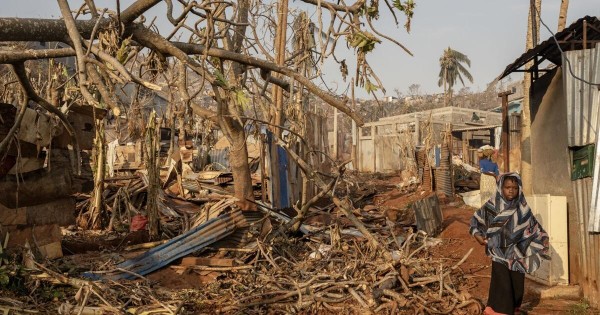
(490, 32)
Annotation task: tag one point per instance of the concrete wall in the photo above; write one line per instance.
(550, 155)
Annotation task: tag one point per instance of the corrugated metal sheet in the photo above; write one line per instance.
(589, 243)
(428, 214)
(582, 120)
(583, 104)
(594, 219)
(219, 158)
(570, 38)
(582, 100)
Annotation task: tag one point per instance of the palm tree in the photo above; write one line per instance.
(451, 68)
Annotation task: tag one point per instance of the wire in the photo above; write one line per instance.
(561, 51)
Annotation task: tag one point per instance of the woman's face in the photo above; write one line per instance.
(510, 189)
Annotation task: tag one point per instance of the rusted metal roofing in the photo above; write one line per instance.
(571, 38)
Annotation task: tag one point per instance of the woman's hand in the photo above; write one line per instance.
(480, 239)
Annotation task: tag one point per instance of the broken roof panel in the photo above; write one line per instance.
(571, 38)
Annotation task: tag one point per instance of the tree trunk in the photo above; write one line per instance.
(97, 204)
(238, 160)
(445, 87)
(562, 15)
(229, 113)
(532, 39)
(152, 169)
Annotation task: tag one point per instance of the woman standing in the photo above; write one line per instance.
(514, 240)
(489, 173)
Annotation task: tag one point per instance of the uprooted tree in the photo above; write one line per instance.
(228, 50)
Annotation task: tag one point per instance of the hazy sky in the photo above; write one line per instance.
(490, 33)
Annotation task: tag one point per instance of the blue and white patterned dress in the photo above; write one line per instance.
(514, 236)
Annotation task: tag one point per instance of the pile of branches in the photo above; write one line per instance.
(79, 296)
(123, 197)
(127, 196)
(292, 275)
(297, 275)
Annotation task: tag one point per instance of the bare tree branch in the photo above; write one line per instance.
(8, 138)
(76, 40)
(13, 56)
(49, 30)
(135, 10)
(332, 6)
(251, 61)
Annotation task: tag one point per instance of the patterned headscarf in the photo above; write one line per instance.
(515, 238)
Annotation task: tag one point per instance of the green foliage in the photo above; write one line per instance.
(240, 98)
(452, 69)
(49, 292)
(65, 73)
(408, 7)
(371, 10)
(4, 277)
(123, 51)
(11, 278)
(363, 41)
(220, 78)
(370, 87)
(581, 308)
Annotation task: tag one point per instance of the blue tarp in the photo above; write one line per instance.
(283, 177)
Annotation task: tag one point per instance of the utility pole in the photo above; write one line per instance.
(280, 40)
(505, 138)
(562, 15)
(533, 26)
(277, 92)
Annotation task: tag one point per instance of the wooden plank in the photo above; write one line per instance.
(202, 261)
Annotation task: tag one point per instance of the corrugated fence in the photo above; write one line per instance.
(582, 101)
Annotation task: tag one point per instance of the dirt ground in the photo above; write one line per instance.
(456, 242)
(455, 238)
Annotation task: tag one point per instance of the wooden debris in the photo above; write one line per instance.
(201, 261)
(144, 245)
